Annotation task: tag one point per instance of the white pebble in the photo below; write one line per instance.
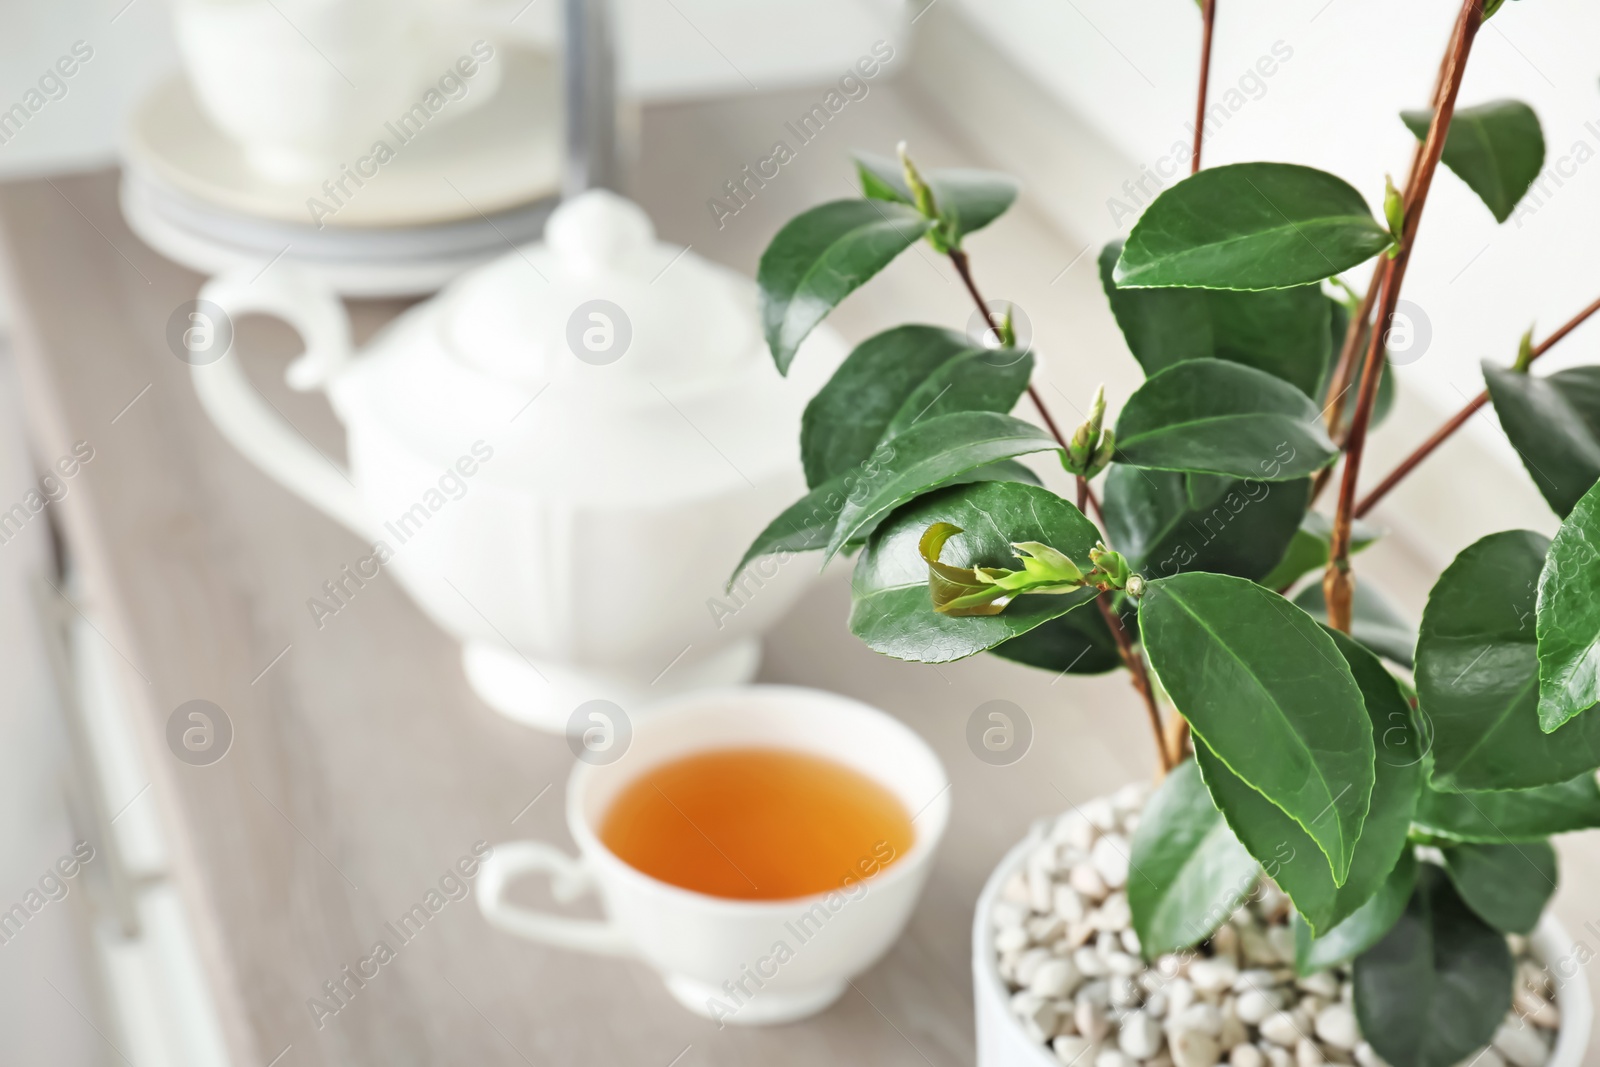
(1130, 939)
(1124, 993)
(1520, 1045)
(1255, 1005)
(1070, 1048)
(1008, 913)
(1090, 963)
(1367, 1056)
(1041, 888)
(1054, 978)
(1212, 976)
(1140, 1036)
(1281, 941)
(1114, 913)
(1180, 994)
(1255, 947)
(1225, 943)
(1277, 1057)
(1320, 983)
(1245, 1054)
(1307, 1054)
(1193, 1048)
(1046, 928)
(1336, 1025)
(1156, 1004)
(1112, 1057)
(1087, 881)
(1203, 1018)
(1092, 1020)
(1011, 939)
(1537, 1010)
(1099, 813)
(1110, 859)
(1233, 1028)
(1067, 903)
(1040, 1018)
(1129, 800)
(1272, 903)
(1123, 964)
(1030, 962)
(1016, 889)
(1281, 1029)
(1255, 978)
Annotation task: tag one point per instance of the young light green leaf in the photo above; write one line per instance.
(820, 257)
(1373, 621)
(895, 379)
(926, 455)
(1568, 617)
(966, 200)
(1290, 856)
(1496, 148)
(891, 609)
(1507, 885)
(1511, 814)
(1434, 990)
(1364, 927)
(1251, 226)
(1269, 692)
(956, 590)
(1308, 550)
(1215, 417)
(1192, 872)
(1478, 674)
(1554, 424)
(1165, 522)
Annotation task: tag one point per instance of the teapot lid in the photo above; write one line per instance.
(600, 298)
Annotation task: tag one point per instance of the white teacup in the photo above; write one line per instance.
(303, 85)
(748, 962)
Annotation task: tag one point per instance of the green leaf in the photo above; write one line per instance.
(1291, 857)
(1079, 642)
(928, 454)
(1308, 550)
(1364, 927)
(1373, 622)
(1165, 522)
(1507, 885)
(1191, 873)
(891, 609)
(1267, 690)
(967, 200)
(1511, 814)
(1251, 226)
(1567, 618)
(1285, 333)
(895, 379)
(1478, 674)
(1554, 424)
(822, 256)
(1215, 417)
(804, 526)
(1436, 988)
(1496, 148)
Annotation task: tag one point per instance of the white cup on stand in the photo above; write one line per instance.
(747, 962)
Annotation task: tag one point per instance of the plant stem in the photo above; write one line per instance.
(1337, 585)
(1141, 680)
(1459, 419)
(1208, 19)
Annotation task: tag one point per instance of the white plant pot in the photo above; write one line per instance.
(1003, 1043)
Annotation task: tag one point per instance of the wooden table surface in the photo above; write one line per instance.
(363, 766)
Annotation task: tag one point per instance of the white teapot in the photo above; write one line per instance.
(560, 457)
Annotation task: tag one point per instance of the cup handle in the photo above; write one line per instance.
(248, 422)
(568, 880)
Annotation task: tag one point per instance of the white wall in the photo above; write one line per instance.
(1129, 67)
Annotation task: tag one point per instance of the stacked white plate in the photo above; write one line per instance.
(459, 194)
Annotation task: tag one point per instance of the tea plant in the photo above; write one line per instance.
(1412, 778)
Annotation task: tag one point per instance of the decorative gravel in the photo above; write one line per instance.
(1066, 949)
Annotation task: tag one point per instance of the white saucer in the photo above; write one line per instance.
(500, 156)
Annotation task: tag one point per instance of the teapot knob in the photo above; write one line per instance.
(600, 232)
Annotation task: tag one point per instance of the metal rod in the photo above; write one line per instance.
(591, 108)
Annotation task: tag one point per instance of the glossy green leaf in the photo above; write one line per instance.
(820, 257)
(892, 610)
(1190, 872)
(1285, 333)
(1267, 690)
(1215, 417)
(895, 379)
(1373, 621)
(1478, 675)
(1165, 522)
(1568, 617)
(1363, 928)
(1438, 985)
(1079, 642)
(1511, 814)
(967, 200)
(1251, 226)
(1308, 550)
(1290, 856)
(804, 526)
(928, 454)
(1507, 885)
(1554, 424)
(1496, 148)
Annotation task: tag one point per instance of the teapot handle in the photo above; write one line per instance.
(252, 425)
